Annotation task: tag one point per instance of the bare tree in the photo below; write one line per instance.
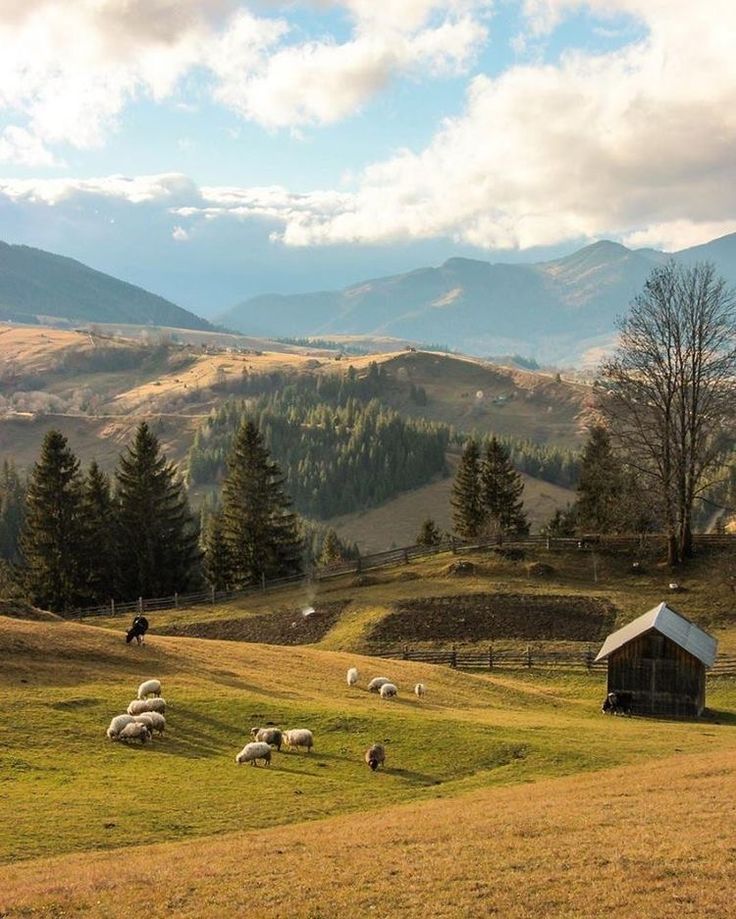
(668, 391)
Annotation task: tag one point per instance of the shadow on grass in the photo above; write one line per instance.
(416, 778)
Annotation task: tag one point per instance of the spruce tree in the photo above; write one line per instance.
(99, 533)
(218, 566)
(466, 500)
(53, 536)
(12, 512)
(259, 528)
(429, 534)
(600, 486)
(501, 490)
(158, 551)
(331, 549)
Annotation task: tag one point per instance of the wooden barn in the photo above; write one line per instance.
(661, 659)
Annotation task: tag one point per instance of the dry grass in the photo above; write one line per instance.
(623, 842)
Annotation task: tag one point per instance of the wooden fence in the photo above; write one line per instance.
(394, 558)
(532, 657)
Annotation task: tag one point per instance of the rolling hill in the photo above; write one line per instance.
(37, 285)
(555, 310)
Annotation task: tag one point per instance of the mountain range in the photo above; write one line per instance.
(36, 286)
(554, 311)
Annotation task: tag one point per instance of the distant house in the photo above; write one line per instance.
(661, 659)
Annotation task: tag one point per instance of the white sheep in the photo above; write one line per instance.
(135, 731)
(252, 752)
(419, 690)
(388, 691)
(155, 721)
(149, 688)
(377, 682)
(375, 756)
(138, 706)
(352, 676)
(117, 724)
(299, 737)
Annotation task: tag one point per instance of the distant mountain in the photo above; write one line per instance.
(35, 284)
(554, 310)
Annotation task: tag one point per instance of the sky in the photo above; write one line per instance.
(211, 150)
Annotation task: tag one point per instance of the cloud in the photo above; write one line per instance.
(17, 145)
(179, 234)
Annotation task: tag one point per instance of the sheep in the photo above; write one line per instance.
(138, 706)
(252, 752)
(272, 736)
(117, 724)
(377, 682)
(149, 688)
(135, 731)
(299, 737)
(388, 691)
(375, 756)
(155, 721)
(419, 690)
(352, 676)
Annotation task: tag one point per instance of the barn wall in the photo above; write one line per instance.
(664, 678)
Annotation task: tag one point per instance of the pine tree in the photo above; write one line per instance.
(429, 534)
(259, 528)
(218, 565)
(501, 490)
(157, 535)
(12, 512)
(331, 549)
(600, 486)
(466, 500)
(53, 537)
(99, 532)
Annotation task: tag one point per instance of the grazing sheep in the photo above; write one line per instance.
(252, 752)
(388, 691)
(419, 690)
(117, 724)
(375, 756)
(299, 737)
(155, 721)
(149, 688)
(377, 682)
(352, 676)
(272, 736)
(135, 731)
(138, 706)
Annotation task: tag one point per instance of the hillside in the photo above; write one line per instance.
(555, 311)
(37, 285)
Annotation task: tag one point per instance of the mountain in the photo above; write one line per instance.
(553, 311)
(37, 285)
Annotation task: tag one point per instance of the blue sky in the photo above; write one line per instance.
(295, 146)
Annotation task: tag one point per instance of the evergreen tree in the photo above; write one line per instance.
(466, 500)
(259, 528)
(331, 549)
(99, 532)
(53, 535)
(12, 512)
(157, 535)
(218, 565)
(429, 534)
(561, 523)
(600, 487)
(501, 490)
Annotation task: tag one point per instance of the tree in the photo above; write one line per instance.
(12, 512)
(53, 536)
(501, 490)
(561, 523)
(429, 534)
(668, 391)
(468, 513)
(259, 528)
(99, 535)
(218, 563)
(331, 549)
(157, 535)
(600, 486)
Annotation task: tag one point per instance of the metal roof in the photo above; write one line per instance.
(667, 622)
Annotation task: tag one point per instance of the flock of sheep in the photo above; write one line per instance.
(145, 716)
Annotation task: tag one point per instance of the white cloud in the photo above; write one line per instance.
(17, 145)
(179, 234)
(168, 190)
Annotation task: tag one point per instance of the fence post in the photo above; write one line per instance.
(405, 654)
(490, 657)
(406, 556)
(140, 604)
(452, 545)
(549, 543)
(358, 564)
(176, 600)
(589, 657)
(212, 595)
(263, 581)
(528, 655)
(453, 658)
(112, 606)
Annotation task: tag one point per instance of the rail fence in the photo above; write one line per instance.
(532, 657)
(395, 557)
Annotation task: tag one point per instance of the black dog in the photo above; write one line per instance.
(137, 630)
